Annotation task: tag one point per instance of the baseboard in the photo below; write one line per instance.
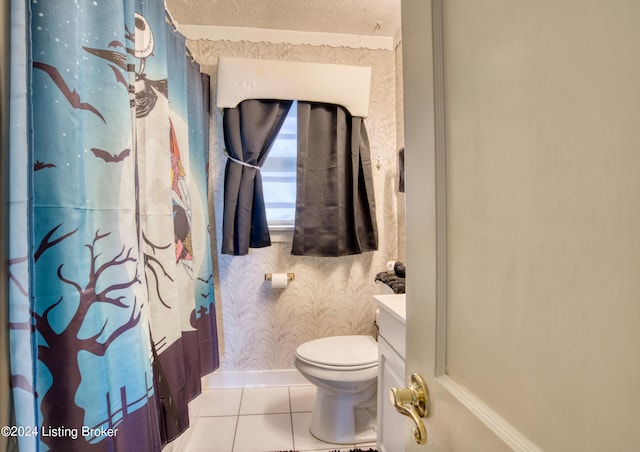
(253, 379)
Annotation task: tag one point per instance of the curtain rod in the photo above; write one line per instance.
(172, 21)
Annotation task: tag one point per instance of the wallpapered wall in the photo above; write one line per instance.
(262, 327)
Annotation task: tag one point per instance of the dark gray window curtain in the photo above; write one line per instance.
(335, 205)
(249, 131)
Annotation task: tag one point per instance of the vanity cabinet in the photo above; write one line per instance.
(391, 369)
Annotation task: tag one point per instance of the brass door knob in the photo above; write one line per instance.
(414, 403)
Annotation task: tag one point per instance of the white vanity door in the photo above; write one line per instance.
(390, 375)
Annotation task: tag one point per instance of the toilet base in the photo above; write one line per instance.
(344, 417)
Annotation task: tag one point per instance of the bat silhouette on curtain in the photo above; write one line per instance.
(71, 95)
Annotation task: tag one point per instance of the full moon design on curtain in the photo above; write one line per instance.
(115, 292)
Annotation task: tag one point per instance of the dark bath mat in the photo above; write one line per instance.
(360, 450)
(352, 450)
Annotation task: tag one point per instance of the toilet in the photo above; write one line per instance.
(345, 372)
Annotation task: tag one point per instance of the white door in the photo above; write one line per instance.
(522, 138)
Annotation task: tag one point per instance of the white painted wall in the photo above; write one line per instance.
(4, 296)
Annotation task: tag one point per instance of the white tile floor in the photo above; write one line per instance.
(258, 420)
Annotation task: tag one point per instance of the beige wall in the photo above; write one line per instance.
(5, 398)
(330, 296)
(4, 84)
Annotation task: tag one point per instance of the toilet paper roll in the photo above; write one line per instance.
(279, 280)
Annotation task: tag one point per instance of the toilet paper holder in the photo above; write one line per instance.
(269, 276)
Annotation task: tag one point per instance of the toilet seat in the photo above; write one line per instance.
(340, 352)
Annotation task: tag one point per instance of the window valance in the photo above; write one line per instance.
(249, 78)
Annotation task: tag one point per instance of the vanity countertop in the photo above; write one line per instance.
(393, 304)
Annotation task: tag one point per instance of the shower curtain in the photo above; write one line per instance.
(112, 316)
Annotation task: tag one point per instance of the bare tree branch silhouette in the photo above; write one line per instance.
(59, 349)
(148, 261)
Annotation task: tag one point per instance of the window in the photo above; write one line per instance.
(279, 176)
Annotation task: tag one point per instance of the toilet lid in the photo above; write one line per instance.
(340, 351)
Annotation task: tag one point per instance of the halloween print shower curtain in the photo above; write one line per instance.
(111, 285)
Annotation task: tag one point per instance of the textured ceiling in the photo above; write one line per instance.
(359, 17)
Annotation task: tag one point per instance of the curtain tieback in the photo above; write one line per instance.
(240, 162)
